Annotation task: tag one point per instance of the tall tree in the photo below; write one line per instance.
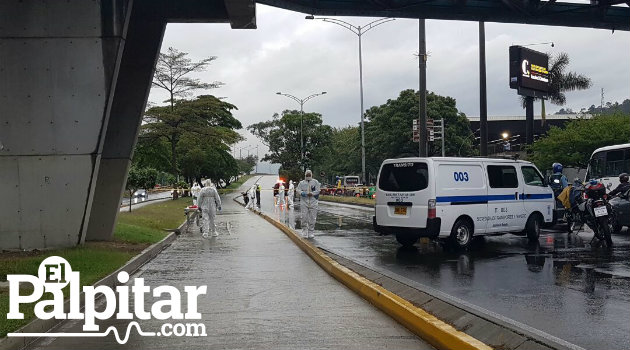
(206, 119)
(574, 144)
(561, 81)
(345, 146)
(282, 135)
(172, 70)
(388, 132)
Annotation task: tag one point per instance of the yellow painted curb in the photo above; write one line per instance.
(428, 327)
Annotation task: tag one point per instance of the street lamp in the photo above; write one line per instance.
(301, 102)
(505, 135)
(359, 31)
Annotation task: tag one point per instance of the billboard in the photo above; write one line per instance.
(529, 72)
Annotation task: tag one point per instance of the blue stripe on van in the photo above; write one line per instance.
(489, 198)
(530, 196)
(475, 199)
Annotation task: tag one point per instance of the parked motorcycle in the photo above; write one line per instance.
(594, 210)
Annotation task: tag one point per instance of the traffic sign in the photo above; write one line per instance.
(416, 121)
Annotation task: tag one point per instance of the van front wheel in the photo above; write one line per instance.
(406, 240)
(461, 233)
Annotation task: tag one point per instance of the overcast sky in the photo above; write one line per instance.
(290, 54)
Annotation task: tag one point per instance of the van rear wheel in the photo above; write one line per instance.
(532, 228)
(461, 234)
(406, 240)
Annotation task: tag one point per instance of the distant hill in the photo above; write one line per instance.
(608, 108)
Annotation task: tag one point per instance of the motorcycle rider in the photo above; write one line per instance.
(558, 180)
(623, 186)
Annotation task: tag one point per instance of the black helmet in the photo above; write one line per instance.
(623, 177)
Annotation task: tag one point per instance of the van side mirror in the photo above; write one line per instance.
(545, 181)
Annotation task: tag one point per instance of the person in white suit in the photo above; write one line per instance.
(291, 194)
(251, 193)
(209, 201)
(309, 194)
(194, 190)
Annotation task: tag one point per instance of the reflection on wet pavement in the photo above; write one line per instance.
(561, 285)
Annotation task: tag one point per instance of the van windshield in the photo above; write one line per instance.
(404, 177)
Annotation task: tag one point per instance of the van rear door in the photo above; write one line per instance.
(403, 194)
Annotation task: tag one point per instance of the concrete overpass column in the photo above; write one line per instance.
(58, 62)
(136, 62)
(74, 80)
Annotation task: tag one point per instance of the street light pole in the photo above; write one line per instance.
(256, 159)
(362, 110)
(358, 31)
(301, 101)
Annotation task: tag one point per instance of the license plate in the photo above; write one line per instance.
(400, 210)
(600, 211)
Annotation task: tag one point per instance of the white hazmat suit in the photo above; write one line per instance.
(195, 192)
(291, 194)
(209, 201)
(251, 193)
(281, 194)
(309, 199)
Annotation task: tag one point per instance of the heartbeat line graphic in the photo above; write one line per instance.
(110, 329)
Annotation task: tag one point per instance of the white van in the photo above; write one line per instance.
(456, 198)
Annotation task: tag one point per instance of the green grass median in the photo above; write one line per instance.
(348, 200)
(134, 232)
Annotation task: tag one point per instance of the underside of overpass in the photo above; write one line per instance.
(75, 76)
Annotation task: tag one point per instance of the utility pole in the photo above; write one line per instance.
(422, 91)
(483, 101)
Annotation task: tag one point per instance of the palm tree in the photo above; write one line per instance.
(561, 82)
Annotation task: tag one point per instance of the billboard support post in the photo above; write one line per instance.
(529, 120)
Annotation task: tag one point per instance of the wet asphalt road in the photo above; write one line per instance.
(561, 285)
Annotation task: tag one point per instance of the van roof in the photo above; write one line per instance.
(460, 159)
(613, 147)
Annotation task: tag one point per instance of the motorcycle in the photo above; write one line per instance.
(594, 210)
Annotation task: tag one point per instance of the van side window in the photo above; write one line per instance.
(531, 176)
(502, 176)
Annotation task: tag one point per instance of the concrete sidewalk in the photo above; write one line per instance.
(263, 293)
